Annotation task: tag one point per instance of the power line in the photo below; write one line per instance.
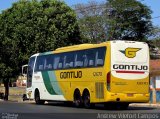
(155, 17)
(84, 8)
(100, 6)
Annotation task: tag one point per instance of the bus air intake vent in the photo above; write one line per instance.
(99, 90)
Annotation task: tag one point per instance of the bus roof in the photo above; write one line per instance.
(81, 46)
(78, 47)
(74, 47)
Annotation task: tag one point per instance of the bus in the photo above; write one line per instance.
(112, 72)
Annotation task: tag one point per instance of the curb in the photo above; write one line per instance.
(145, 104)
(20, 101)
(26, 101)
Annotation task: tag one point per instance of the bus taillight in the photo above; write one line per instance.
(108, 80)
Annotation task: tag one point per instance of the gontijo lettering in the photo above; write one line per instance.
(71, 74)
(130, 67)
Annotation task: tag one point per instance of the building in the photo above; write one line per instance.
(21, 81)
(155, 81)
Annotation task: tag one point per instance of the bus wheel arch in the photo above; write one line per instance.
(86, 99)
(37, 97)
(77, 99)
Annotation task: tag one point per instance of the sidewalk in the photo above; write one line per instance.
(145, 104)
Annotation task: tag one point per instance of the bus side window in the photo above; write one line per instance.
(40, 67)
(91, 63)
(48, 62)
(58, 61)
(40, 63)
(91, 57)
(71, 64)
(60, 66)
(69, 60)
(100, 56)
(50, 66)
(79, 59)
(78, 64)
(99, 62)
(85, 60)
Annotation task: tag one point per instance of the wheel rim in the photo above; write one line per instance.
(37, 98)
(87, 101)
(77, 100)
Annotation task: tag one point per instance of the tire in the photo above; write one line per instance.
(86, 100)
(37, 98)
(77, 99)
(24, 97)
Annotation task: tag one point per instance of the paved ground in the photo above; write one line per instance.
(29, 110)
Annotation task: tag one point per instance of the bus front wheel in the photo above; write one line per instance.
(37, 98)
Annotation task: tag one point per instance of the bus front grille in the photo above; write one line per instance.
(99, 90)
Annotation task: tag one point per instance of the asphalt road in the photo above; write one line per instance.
(17, 110)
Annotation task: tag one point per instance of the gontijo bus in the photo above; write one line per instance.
(113, 71)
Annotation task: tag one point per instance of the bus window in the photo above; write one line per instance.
(91, 57)
(79, 59)
(48, 62)
(69, 58)
(85, 60)
(100, 56)
(30, 71)
(58, 61)
(40, 63)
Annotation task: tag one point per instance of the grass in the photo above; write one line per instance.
(15, 93)
(14, 90)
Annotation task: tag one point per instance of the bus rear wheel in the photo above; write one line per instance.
(77, 99)
(37, 98)
(86, 100)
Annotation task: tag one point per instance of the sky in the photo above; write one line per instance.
(154, 5)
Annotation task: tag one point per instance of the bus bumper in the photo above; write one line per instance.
(127, 97)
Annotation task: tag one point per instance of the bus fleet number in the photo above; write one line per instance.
(97, 73)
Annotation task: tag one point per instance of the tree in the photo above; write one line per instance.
(32, 26)
(156, 34)
(114, 20)
(128, 20)
(91, 21)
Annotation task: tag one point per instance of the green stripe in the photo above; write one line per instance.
(54, 82)
(47, 83)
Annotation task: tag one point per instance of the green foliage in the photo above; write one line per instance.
(128, 20)
(156, 43)
(32, 26)
(114, 20)
(92, 21)
(156, 33)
